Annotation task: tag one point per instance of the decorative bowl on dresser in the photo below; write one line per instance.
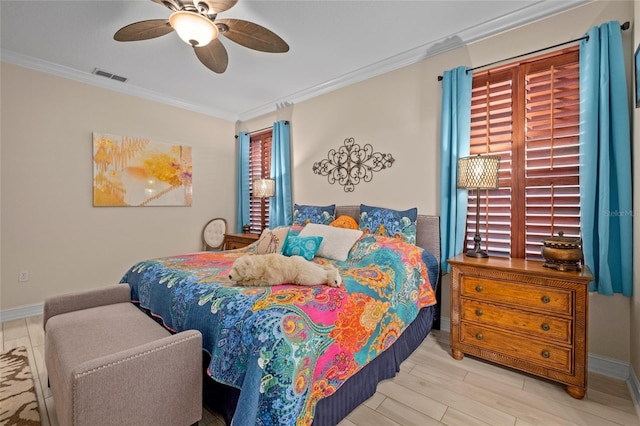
(520, 314)
(562, 253)
(234, 241)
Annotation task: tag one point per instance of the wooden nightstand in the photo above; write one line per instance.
(234, 241)
(517, 313)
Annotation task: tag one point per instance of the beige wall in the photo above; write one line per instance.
(49, 226)
(399, 112)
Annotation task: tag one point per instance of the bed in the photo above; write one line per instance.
(296, 354)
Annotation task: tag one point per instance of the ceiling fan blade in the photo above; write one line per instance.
(252, 35)
(143, 30)
(218, 6)
(213, 56)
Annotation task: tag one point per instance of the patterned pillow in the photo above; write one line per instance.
(302, 246)
(391, 223)
(345, 221)
(303, 214)
(272, 240)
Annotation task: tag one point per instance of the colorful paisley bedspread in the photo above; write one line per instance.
(285, 347)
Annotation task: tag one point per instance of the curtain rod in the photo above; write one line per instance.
(623, 27)
(286, 123)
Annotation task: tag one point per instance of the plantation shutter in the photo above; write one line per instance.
(259, 167)
(529, 115)
(492, 132)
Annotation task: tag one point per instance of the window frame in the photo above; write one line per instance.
(513, 171)
(259, 168)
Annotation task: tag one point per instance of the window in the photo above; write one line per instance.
(259, 167)
(528, 113)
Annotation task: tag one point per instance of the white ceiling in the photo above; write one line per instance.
(333, 43)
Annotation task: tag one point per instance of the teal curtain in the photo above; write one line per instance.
(281, 209)
(242, 194)
(605, 161)
(455, 130)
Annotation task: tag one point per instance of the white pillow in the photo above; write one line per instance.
(336, 242)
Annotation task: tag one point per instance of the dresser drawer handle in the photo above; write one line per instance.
(479, 336)
(545, 299)
(545, 326)
(545, 354)
(479, 288)
(479, 312)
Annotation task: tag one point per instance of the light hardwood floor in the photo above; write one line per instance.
(431, 389)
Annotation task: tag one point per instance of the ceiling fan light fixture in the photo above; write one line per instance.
(195, 29)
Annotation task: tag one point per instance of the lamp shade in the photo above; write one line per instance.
(478, 172)
(193, 28)
(264, 188)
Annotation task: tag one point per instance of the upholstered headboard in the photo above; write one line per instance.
(427, 228)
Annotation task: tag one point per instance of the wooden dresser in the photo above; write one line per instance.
(234, 241)
(517, 313)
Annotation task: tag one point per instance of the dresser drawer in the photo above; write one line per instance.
(524, 295)
(236, 241)
(232, 245)
(540, 353)
(542, 326)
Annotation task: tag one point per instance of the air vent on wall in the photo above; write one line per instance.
(102, 73)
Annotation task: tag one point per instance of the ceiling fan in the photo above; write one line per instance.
(197, 24)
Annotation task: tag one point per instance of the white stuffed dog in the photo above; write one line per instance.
(274, 269)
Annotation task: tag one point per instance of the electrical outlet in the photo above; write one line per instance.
(23, 276)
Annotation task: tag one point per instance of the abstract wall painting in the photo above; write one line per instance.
(130, 171)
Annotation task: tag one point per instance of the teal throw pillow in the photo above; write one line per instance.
(302, 246)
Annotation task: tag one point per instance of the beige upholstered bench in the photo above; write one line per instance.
(111, 364)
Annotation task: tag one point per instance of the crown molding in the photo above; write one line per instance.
(104, 83)
(539, 10)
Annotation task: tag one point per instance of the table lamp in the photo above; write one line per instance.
(478, 172)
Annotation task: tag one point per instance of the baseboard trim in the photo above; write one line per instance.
(609, 367)
(634, 389)
(445, 324)
(21, 312)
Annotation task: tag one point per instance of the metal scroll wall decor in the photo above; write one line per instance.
(351, 164)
